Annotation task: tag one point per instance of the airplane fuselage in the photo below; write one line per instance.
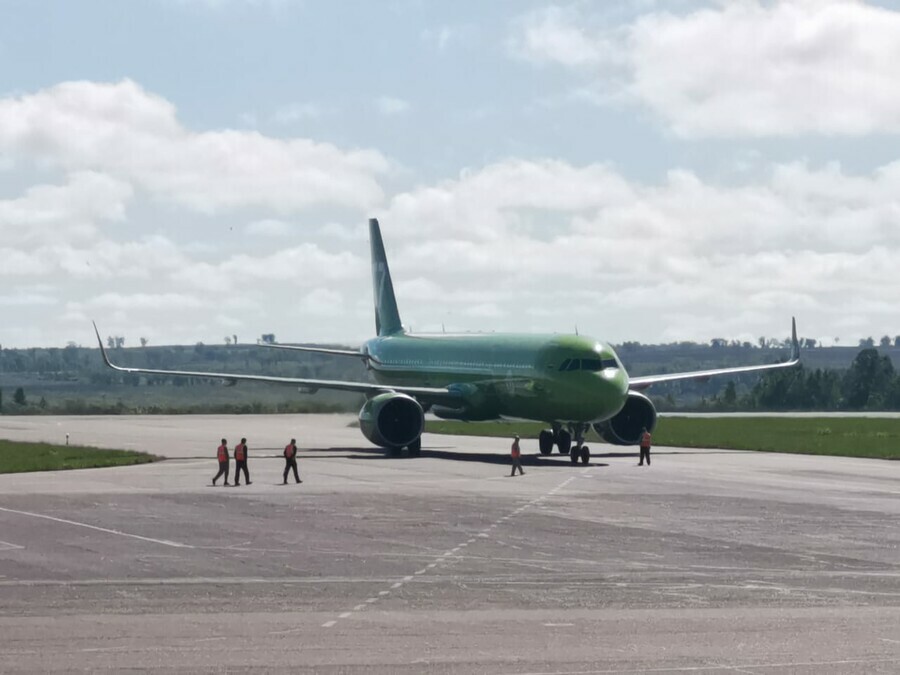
(551, 378)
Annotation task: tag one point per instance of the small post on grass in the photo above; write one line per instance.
(67, 439)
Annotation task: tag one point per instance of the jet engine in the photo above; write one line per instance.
(392, 420)
(625, 428)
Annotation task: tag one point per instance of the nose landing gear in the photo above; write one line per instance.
(562, 439)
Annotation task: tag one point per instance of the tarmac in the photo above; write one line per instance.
(705, 562)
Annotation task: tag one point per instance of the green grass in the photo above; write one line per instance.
(18, 457)
(849, 437)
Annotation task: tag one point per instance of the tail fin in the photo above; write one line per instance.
(387, 318)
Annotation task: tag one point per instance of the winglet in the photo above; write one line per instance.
(102, 348)
(795, 343)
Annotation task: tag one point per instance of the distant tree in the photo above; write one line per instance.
(808, 343)
(43, 403)
(234, 338)
(71, 344)
(897, 340)
(19, 397)
(730, 395)
(268, 338)
(144, 342)
(762, 341)
(227, 339)
(867, 381)
(110, 342)
(885, 341)
(718, 342)
(866, 343)
(120, 341)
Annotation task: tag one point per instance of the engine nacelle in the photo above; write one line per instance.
(392, 420)
(625, 428)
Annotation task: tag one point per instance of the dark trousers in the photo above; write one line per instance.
(516, 464)
(239, 465)
(291, 463)
(223, 471)
(645, 452)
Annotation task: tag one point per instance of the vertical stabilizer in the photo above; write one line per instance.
(387, 318)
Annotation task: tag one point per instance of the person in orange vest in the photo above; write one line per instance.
(645, 446)
(240, 463)
(222, 455)
(516, 455)
(290, 461)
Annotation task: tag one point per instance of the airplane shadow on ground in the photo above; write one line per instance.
(500, 458)
(437, 453)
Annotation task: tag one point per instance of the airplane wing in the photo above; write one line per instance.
(644, 381)
(438, 395)
(321, 350)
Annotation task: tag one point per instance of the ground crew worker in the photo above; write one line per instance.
(516, 455)
(645, 446)
(240, 463)
(290, 461)
(222, 454)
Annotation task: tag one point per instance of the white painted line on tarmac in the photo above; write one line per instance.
(359, 608)
(6, 546)
(397, 585)
(328, 624)
(344, 615)
(119, 533)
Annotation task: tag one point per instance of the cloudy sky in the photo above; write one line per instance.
(182, 170)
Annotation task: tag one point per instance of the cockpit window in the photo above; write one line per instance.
(592, 365)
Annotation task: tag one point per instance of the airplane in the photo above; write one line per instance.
(569, 382)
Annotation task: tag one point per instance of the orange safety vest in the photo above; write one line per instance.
(290, 451)
(515, 451)
(240, 452)
(223, 453)
(645, 439)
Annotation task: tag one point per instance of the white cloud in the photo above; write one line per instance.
(297, 112)
(322, 302)
(67, 212)
(679, 254)
(269, 227)
(123, 131)
(742, 68)
(559, 35)
(389, 105)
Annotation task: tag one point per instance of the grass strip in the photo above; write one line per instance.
(18, 457)
(869, 437)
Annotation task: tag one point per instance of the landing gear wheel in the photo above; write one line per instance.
(573, 455)
(415, 448)
(564, 442)
(545, 442)
(585, 454)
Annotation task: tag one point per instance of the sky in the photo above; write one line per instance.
(185, 170)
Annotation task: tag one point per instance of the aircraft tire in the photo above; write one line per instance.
(573, 455)
(415, 448)
(564, 442)
(545, 442)
(585, 454)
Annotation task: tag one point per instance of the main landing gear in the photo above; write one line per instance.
(562, 439)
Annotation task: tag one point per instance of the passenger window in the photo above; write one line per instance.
(565, 365)
(574, 364)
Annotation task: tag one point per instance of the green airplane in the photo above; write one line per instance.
(570, 382)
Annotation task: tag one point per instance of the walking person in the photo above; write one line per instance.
(290, 461)
(516, 455)
(240, 463)
(222, 455)
(645, 446)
